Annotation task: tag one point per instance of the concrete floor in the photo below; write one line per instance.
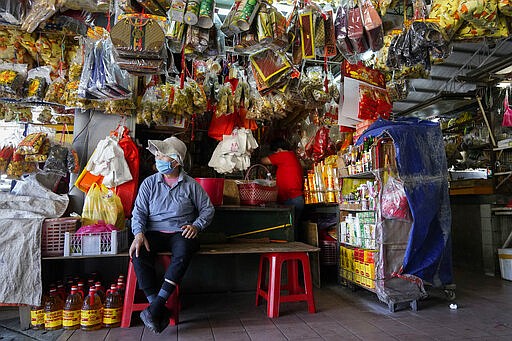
(484, 313)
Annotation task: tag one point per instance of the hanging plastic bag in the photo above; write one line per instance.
(373, 26)
(102, 203)
(394, 203)
(507, 114)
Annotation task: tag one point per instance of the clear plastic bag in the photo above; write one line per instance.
(394, 204)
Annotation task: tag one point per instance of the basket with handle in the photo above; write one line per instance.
(256, 193)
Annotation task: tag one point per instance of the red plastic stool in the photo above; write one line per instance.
(129, 306)
(271, 291)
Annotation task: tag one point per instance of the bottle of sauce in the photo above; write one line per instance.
(113, 308)
(53, 311)
(37, 314)
(72, 309)
(92, 311)
(81, 289)
(121, 286)
(100, 290)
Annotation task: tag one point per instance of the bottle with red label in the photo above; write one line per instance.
(53, 311)
(113, 308)
(91, 316)
(72, 310)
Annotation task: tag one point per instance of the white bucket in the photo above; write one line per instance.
(505, 257)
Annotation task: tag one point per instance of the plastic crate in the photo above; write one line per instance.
(104, 243)
(52, 239)
(328, 254)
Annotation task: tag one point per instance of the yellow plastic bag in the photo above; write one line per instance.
(104, 204)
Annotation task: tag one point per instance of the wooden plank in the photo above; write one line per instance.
(472, 190)
(226, 249)
(82, 335)
(132, 333)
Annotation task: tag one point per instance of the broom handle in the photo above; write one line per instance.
(258, 231)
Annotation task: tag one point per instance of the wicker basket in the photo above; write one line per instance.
(52, 240)
(252, 193)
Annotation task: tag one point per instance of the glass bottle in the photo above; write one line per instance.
(71, 312)
(113, 308)
(53, 311)
(91, 313)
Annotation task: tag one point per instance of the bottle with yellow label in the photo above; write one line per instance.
(72, 309)
(113, 308)
(91, 315)
(37, 315)
(53, 311)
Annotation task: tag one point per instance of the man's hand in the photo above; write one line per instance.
(189, 231)
(138, 241)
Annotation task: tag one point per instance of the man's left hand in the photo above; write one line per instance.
(189, 231)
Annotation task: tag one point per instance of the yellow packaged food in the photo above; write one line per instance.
(446, 12)
(505, 7)
(480, 13)
(31, 144)
(469, 32)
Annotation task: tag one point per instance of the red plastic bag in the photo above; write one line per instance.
(394, 203)
(222, 125)
(507, 115)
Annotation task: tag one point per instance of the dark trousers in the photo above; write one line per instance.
(182, 250)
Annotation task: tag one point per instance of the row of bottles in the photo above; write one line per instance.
(99, 308)
(360, 159)
(322, 183)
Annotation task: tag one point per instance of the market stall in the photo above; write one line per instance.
(85, 85)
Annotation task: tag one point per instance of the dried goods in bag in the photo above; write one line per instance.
(37, 83)
(341, 27)
(355, 30)
(12, 79)
(446, 13)
(373, 26)
(505, 7)
(481, 13)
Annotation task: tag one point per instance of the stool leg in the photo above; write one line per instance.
(274, 290)
(129, 295)
(308, 284)
(261, 280)
(173, 304)
(293, 285)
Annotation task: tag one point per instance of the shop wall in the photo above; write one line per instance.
(90, 127)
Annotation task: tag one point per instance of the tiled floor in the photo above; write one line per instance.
(484, 313)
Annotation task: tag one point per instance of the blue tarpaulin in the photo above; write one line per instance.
(422, 166)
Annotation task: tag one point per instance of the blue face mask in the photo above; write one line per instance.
(164, 167)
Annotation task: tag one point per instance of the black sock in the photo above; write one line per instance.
(157, 307)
